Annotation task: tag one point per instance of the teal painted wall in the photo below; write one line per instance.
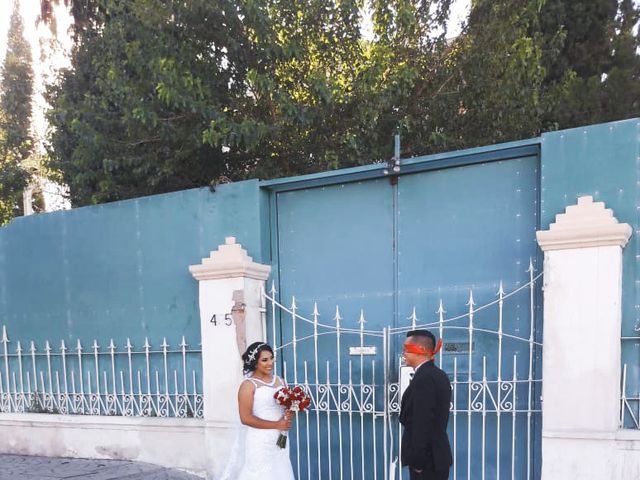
(120, 270)
(602, 161)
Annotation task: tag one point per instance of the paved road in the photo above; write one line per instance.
(15, 467)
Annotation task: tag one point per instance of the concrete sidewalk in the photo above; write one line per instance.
(16, 467)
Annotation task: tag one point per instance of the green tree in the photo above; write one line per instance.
(621, 87)
(16, 143)
(166, 95)
(591, 61)
(297, 116)
(147, 78)
(404, 86)
(495, 75)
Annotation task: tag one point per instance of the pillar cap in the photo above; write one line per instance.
(586, 224)
(228, 261)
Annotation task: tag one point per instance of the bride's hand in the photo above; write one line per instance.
(284, 423)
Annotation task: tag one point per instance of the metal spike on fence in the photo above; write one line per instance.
(148, 365)
(337, 318)
(339, 387)
(499, 378)
(129, 347)
(532, 322)
(165, 346)
(63, 354)
(19, 353)
(5, 341)
(441, 311)
(47, 350)
(183, 347)
(112, 352)
(531, 269)
(361, 320)
(32, 350)
(513, 416)
(95, 348)
(317, 384)
(274, 338)
(294, 308)
(501, 291)
(470, 303)
(414, 318)
(79, 350)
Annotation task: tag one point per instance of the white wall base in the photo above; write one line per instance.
(586, 456)
(168, 442)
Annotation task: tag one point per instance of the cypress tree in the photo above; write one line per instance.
(16, 142)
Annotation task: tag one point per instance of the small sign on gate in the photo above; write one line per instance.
(362, 350)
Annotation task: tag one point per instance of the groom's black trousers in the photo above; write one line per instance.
(429, 475)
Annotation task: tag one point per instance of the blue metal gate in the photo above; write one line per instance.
(393, 246)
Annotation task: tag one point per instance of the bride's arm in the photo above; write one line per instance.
(245, 407)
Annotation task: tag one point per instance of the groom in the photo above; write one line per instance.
(425, 411)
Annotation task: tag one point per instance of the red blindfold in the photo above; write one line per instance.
(420, 350)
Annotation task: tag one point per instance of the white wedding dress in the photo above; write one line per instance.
(255, 454)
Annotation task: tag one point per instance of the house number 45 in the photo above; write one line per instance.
(227, 319)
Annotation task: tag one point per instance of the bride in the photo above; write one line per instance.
(263, 419)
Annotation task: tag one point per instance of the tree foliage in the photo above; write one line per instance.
(16, 143)
(592, 62)
(166, 94)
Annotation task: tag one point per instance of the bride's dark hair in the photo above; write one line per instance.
(252, 354)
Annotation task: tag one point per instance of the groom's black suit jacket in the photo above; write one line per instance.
(424, 413)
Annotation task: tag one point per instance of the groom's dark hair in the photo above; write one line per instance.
(423, 337)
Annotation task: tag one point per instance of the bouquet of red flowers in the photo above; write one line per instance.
(293, 400)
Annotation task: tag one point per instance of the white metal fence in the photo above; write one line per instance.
(630, 387)
(352, 429)
(159, 382)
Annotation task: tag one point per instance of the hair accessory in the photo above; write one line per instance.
(252, 354)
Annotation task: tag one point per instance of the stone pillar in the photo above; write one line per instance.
(581, 341)
(230, 285)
